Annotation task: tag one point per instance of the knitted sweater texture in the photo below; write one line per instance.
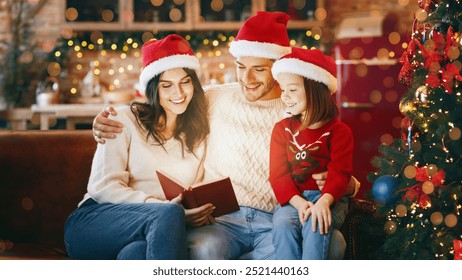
(239, 141)
(296, 155)
(124, 168)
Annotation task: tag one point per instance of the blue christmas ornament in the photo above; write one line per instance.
(383, 188)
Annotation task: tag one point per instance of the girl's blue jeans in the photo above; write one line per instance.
(292, 241)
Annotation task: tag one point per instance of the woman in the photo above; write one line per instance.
(124, 214)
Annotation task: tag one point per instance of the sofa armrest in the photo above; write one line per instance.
(359, 211)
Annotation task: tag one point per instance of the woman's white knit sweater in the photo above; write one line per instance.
(239, 141)
(124, 169)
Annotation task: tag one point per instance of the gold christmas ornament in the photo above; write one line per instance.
(410, 171)
(428, 187)
(390, 227)
(406, 106)
(454, 133)
(401, 210)
(456, 36)
(421, 95)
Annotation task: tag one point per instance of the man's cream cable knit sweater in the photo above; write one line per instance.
(239, 142)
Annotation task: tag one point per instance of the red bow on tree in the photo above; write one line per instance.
(416, 194)
(427, 5)
(407, 71)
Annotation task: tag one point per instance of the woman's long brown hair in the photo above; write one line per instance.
(192, 126)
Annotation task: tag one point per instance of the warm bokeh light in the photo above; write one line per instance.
(450, 220)
(436, 218)
(428, 187)
(401, 210)
(320, 14)
(386, 139)
(157, 3)
(391, 96)
(361, 70)
(216, 5)
(375, 96)
(454, 133)
(421, 15)
(107, 15)
(390, 227)
(394, 38)
(71, 14)
(410, 171)
(175, 15)
(54, 69)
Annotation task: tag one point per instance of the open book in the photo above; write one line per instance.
(218, 192)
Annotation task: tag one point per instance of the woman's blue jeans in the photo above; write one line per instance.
(126, 231)
(292, 241)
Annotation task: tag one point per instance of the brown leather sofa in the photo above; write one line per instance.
(43, 175)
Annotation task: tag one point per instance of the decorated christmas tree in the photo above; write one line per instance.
(418, 183)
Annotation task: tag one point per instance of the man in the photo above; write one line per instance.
(242, 116)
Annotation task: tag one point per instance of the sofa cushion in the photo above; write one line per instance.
(43, 176)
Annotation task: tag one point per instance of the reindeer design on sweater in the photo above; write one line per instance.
(302, 157)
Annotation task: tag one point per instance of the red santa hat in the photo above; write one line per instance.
(263, 35)
(168, 53)
(312, 64)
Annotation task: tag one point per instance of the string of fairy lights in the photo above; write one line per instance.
(109, 47)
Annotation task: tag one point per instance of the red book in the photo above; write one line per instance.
(219, 192)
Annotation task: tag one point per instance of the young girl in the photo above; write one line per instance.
(312, 140)
(124, 213)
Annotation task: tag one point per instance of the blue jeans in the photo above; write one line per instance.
(245, 234)
(294, 242)
(126, 231)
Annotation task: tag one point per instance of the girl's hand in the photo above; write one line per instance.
(321, 213)
(301, 205)
(305, 214)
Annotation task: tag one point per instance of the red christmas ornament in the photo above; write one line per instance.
(416, 194)
(406, 122)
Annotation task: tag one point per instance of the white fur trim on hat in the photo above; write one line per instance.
(167, 63)
(308, 70)
(241, 48)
